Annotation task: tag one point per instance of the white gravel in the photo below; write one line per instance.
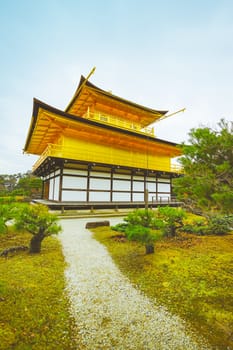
(109, 311)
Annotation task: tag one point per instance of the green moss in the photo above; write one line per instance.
(190, 275)
(34, 308)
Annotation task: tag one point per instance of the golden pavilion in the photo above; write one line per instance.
(100, 152)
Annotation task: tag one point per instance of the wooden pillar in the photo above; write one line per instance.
(60, 184)
(146, 198)
(146, 192)
(42, 190)
(131, 187)
(111, 184)
(88, 182)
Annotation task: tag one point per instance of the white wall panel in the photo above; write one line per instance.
(138, 197)
(100, 184)
(51, 187)
(138, 186)
(151, 186)
(138, 177)
(74, 196)
(74, 182)
(56, 188)
(164, 187)
(75, 172)
(99, 196)
(122, 176)
(99, 174)
(164, 180)
(121, 197)
(121, 185)
(151, 179)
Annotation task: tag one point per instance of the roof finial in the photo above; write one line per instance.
(169, 115)
(91, 72)
(85, 80)
(79, 88)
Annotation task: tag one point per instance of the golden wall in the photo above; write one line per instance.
(94, 152)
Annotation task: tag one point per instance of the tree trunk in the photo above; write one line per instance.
(150, 249)
(173, 231)
(35, 244)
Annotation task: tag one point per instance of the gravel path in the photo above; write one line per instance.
(109, 312)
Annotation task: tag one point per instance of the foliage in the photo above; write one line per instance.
(20, 185)
(34, 309)
(138, 233)
(141, 234)
(7, 200)
(190, 275)
(138, 228)
(144, 235)
(121, 227)
(7, 213)
(214, 224)
(194, 224)
(8, 182)
(147, 226)
(37, 220)
(142, 221)
(172, 219)
(139, 224)
(219, 225)
(143, 217)
(29, 185)
(208, 166)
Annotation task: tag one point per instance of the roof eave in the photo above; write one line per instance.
(37, 104)
(87, 83)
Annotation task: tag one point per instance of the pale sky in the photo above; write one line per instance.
(165, 55)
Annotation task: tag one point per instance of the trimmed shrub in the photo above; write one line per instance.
(37, 220)
(119, 227)
(143, 235)
(143, 217)
(172, 219)
(213, 225)
(219, 225)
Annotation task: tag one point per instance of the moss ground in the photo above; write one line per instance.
(191, 275)
(34, 309)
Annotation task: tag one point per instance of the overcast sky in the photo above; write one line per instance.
(165, 54)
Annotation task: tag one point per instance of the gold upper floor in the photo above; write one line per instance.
(98, 125)
(89, 97)
(109, 119)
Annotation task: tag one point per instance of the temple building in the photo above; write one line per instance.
(100, 151)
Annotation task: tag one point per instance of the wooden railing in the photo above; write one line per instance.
(101, 156)
(118, 122)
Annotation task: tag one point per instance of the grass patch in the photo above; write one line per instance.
(34, 309)
(191, 275)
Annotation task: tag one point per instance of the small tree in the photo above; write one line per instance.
(29, 185)
(143, 235)
(207, 161)
(172, 219)
(143, 217)
(139, 228)
(37, 220)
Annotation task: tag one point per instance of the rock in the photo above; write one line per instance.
(13, 250)
(97, 224)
